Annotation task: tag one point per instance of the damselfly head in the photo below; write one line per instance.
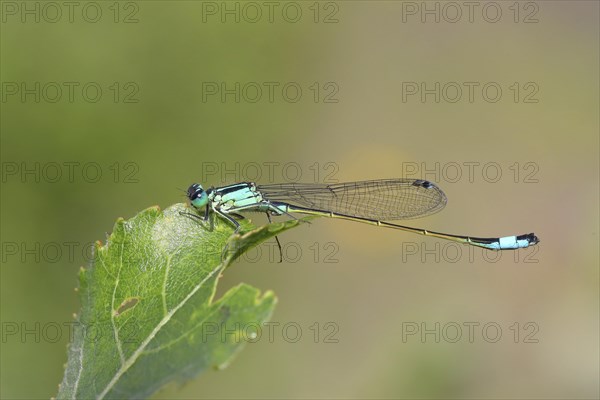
(197, 195)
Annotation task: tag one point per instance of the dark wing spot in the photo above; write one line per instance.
(422, 183)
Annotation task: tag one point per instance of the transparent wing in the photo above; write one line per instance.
(386, 199)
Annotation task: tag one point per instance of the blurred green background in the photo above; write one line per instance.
(156, 129)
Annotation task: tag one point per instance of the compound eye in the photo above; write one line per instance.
(197, 196)
(194, 191)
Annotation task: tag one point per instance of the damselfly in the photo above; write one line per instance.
(371, 202)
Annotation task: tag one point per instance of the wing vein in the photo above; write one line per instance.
(386, 199)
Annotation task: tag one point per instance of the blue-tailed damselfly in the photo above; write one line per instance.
(372, 202)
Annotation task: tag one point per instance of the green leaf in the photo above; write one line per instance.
(148, 314)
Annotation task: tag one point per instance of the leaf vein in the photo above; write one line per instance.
(183, 335)
(139, 351)
(112, 310)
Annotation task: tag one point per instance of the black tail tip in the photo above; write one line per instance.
(530, 237)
